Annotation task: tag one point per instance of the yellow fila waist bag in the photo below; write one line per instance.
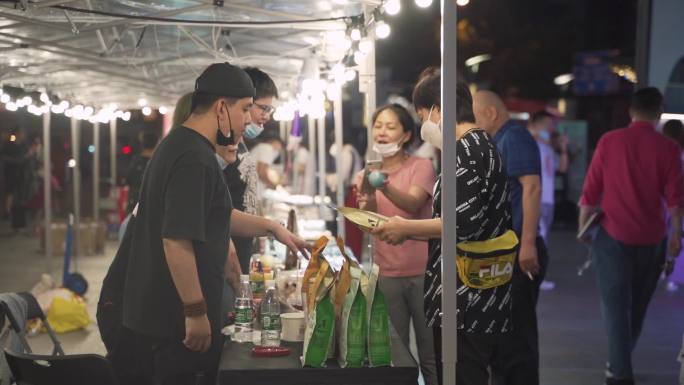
(487, 264)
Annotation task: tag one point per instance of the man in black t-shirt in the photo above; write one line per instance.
(171, 294)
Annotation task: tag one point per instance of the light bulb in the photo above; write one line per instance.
(146, 111)
(324, 5)
(349, 75)
(462, 3)
(142, 102)
(382, 30)
(163, 110)
(423, 3)
(392, 7)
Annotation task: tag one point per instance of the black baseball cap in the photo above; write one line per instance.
(225, 79)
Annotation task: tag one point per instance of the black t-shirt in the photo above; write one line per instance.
(183, 196)
(134, 178)
(482, 212)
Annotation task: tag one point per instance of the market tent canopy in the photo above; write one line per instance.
(97, 51)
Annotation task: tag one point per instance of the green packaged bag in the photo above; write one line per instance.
(353, 324)
(319, 309)
(319, 333)
(379, 344)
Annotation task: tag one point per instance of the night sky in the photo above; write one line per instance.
(531, 41)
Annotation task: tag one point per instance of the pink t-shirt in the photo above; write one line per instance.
(410, 258)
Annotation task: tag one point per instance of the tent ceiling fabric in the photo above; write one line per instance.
(96, 58)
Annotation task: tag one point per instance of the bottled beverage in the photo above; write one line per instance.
(270, 316)
(243, 312)
(256, 276)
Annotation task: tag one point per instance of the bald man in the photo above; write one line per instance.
(518, 362)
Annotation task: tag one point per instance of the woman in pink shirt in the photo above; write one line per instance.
(407, 193)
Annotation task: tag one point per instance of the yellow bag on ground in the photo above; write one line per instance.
(67, 315)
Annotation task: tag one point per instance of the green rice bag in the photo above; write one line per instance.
(353, 325)
(379, 345)
(319, 333)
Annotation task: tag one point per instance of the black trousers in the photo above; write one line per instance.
(517, 363)
(142, 360)
(474, 354)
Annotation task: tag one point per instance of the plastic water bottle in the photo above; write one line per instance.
(270, 316)
(243, 312)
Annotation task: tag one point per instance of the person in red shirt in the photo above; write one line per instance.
(633, 171)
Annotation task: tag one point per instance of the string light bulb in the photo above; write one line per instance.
(392, 7)
(355, 34)
(382, 30)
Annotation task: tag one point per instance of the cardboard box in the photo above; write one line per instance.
(92, 238)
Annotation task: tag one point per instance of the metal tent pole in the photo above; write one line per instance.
(96, 172)
(337, 106)
(367, 86)
(112, 152)
(449, 79)
(47, 192)
(76, 172)
(310, 182)
(321, 158)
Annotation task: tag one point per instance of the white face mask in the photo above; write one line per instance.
(386, 150)
(431, 132)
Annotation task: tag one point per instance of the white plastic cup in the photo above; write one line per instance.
(293, 326)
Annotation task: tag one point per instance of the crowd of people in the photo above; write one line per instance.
(194, 216)
(21, 159)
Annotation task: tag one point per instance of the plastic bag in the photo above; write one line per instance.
(67, 315)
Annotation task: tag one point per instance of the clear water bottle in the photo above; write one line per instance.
(243, 312)
(270, 316)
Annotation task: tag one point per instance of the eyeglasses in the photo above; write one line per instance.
(265, 108)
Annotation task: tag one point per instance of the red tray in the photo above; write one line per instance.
(270, 351)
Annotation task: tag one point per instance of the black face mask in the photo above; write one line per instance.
(221, 139)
